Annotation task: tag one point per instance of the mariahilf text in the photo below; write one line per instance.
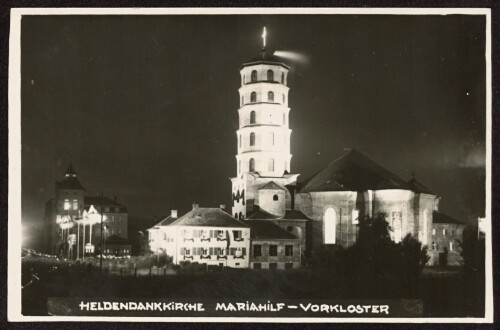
(234, 307)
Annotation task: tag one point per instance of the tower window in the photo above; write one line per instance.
(275, 198)
(242, 100)
(252, 139)
(253, 77)
(271, 164)
(253, 97)
(270, 75)
(239, 140)
(67, 205)
(251, 165)
(270, 97)
(282, 77)
(252, 117)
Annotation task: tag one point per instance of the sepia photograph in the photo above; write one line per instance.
(250, 165)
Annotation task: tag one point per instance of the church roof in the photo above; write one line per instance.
(271, 185)
(210, 217)
(418, 187)
(353, 172)
(70, 180)
(265, 58)
(262, 229)
(443, 218)
(70, 170)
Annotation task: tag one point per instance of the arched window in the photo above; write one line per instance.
(270, 75)
(253, 97)
(251, 165)
(253, 78)
(271, 165)
(271, 138)
(329, 220)
(252, 139)
(282, 77)
(275, 197)
(252, 117)
(270, 97)
(241, 216)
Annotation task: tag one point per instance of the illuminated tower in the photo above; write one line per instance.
(263, 136)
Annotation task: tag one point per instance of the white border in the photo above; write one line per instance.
(14, 199)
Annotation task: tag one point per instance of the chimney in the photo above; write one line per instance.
(173, 213)
(195, 206)
(222, 207)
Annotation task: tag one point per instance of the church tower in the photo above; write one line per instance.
(263, 137)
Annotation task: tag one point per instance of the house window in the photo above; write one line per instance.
(257, 265)
(67, 205)
(251, 165)
(273, 265)
(273, 250)
(253, 76)
(252, 117)
(75, 204)
(237, 234)
(253, 97)
(452, 232)
(282, 77)
(275, 197)
(289, 250)
(433, 231)
(270, 75)
(451, 246)
(270, 97)
(257, 250)
(288, 265)
(187, 251)
(329, 221)
(271, 164)
(445, 232)
(117, 209)
(252, 139)
(106, 209)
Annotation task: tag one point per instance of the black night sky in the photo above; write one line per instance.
(146, 105)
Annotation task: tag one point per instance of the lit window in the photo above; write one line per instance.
(252, 139)
(251, 165)
(445, 232)
(270, 96)
(67, 205)
(451, 246)
(253, 97)
(275, 197)
(330, 220)
(433, 231)
(270, 75)
(253, 77)
(75, 204)
(271, 164)
(252, 117)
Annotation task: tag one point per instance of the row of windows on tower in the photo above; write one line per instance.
(253, 118)
(251, 165)
(270, 77)
(252, 139)
(270, 97)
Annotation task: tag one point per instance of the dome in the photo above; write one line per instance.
(265, 57)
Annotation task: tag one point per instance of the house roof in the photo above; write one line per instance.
(353, 172)
(210, 217)
(165, 222)
(271, 185)
(260, 214)
(96, 202)
(262, 229)
(266, 58)
(443, 218)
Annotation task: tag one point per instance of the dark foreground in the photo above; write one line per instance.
(444, 292)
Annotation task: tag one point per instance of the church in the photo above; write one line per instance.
(325, 208)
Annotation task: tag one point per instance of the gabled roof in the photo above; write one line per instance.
(443, 218)
(418, 187)
(271, 185)
(260, 214)
(263, 229)
(353, 172)
(210, 217)
(165, 222)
